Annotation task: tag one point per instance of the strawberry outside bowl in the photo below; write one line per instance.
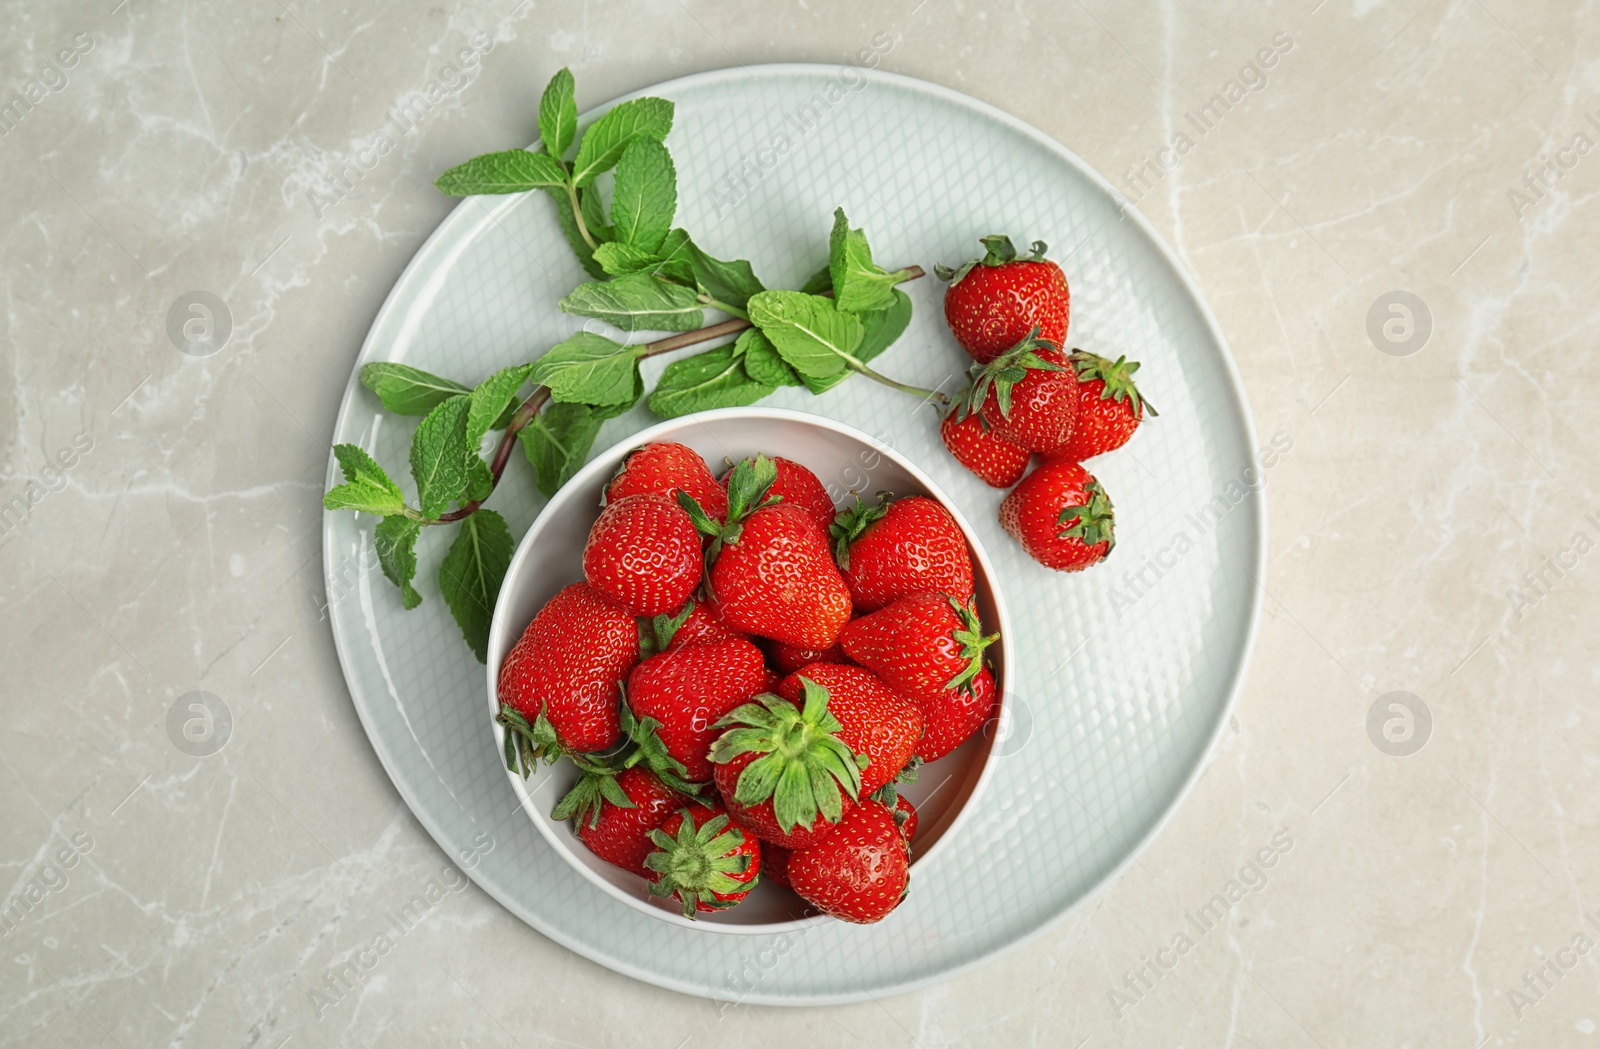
(550, 557)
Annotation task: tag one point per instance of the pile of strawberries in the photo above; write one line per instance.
(1029, 397)
(743, 677)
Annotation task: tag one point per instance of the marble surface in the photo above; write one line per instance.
(1430, 529)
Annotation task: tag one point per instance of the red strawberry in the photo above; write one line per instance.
(616, 811)
(783, 770)
(954, 716)
(696, 623)
(899, 547)
(997, 462)
(858, 873)
(676, 697)
(773, 677)
(994, 302)
(787, 658)
(905, 816)
(1110, 407)
(798, 486)
(666, 469)
(644, 553)
(558, 686)
(771, 572)
(703, 859)
(775, 863)
(876, 721)
(921, 646)
(1061, 516)
(1028, 396)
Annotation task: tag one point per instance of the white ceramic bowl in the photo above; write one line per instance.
(550, 557)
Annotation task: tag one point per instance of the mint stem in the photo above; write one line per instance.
(577, 215)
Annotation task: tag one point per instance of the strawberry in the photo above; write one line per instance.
(798, 486)
(1110, 407)
(905, 817)
(921, 646)
(787, 658)
(954, 716)
(1027, 395)
(674, 699)
(993, 302)
(898, 547)
(875, 721)
(558, 685)
(1061, 516)
(616, 811)
(998, 462)
(783, 771)
(695, 623)
(858, 873)
(703, 859)
(644, 553)
(775, 863)
(770, 569)
(666, 469)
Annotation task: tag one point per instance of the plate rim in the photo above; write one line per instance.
(413, 274)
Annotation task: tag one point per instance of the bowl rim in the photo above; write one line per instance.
(608, 460)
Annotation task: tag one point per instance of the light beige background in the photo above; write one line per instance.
(181, 551)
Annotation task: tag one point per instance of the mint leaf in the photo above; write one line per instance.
(879, 331)
(645, 194)
(674, 254)
(713, 379)
(405, 390)
(471, 574)
(557, 442)
(396, 539)
(808, 331)
(513, 171)
(607, 137)
(819, 283)
(622, 407)
(761, 360)
(439, 457)
(593, 210)
(620, 260)
(490, 400)
(367, 488)
(558, 114)
(730, 283)
(637, 302)
(859, 285)
(588, 369)
(569, 229)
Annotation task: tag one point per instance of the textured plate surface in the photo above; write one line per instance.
(1129, 670)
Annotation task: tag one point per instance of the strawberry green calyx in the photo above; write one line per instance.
(803, 764)
(998, 251)
(747, 492)
(1117, 376)
(1003, 373)
(699, 863)
(852, 521)
(970, 636)
(657, 632)
(1092, 523)
(527, 742)
(651, 752)
(597, 784)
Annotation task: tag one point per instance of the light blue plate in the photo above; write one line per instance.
(1129, 669)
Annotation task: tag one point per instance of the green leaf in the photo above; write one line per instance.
(557, 442)
(713, 379)
(730, 283)
(645, 194)
(558, 114)
(513, 171)
(859, 285)
(569, 229)
(879, 331)
(620, 260)
(589, 369)
(819, 283)
(607, 137)
(593, 210)
(808, 331)
(637, 302)
(471, 574)
(674, 254)
(761, 360)
(405, 390)
(395, 539)
(622, 407)
(366, 487)
(439, 457)
(490, 401)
